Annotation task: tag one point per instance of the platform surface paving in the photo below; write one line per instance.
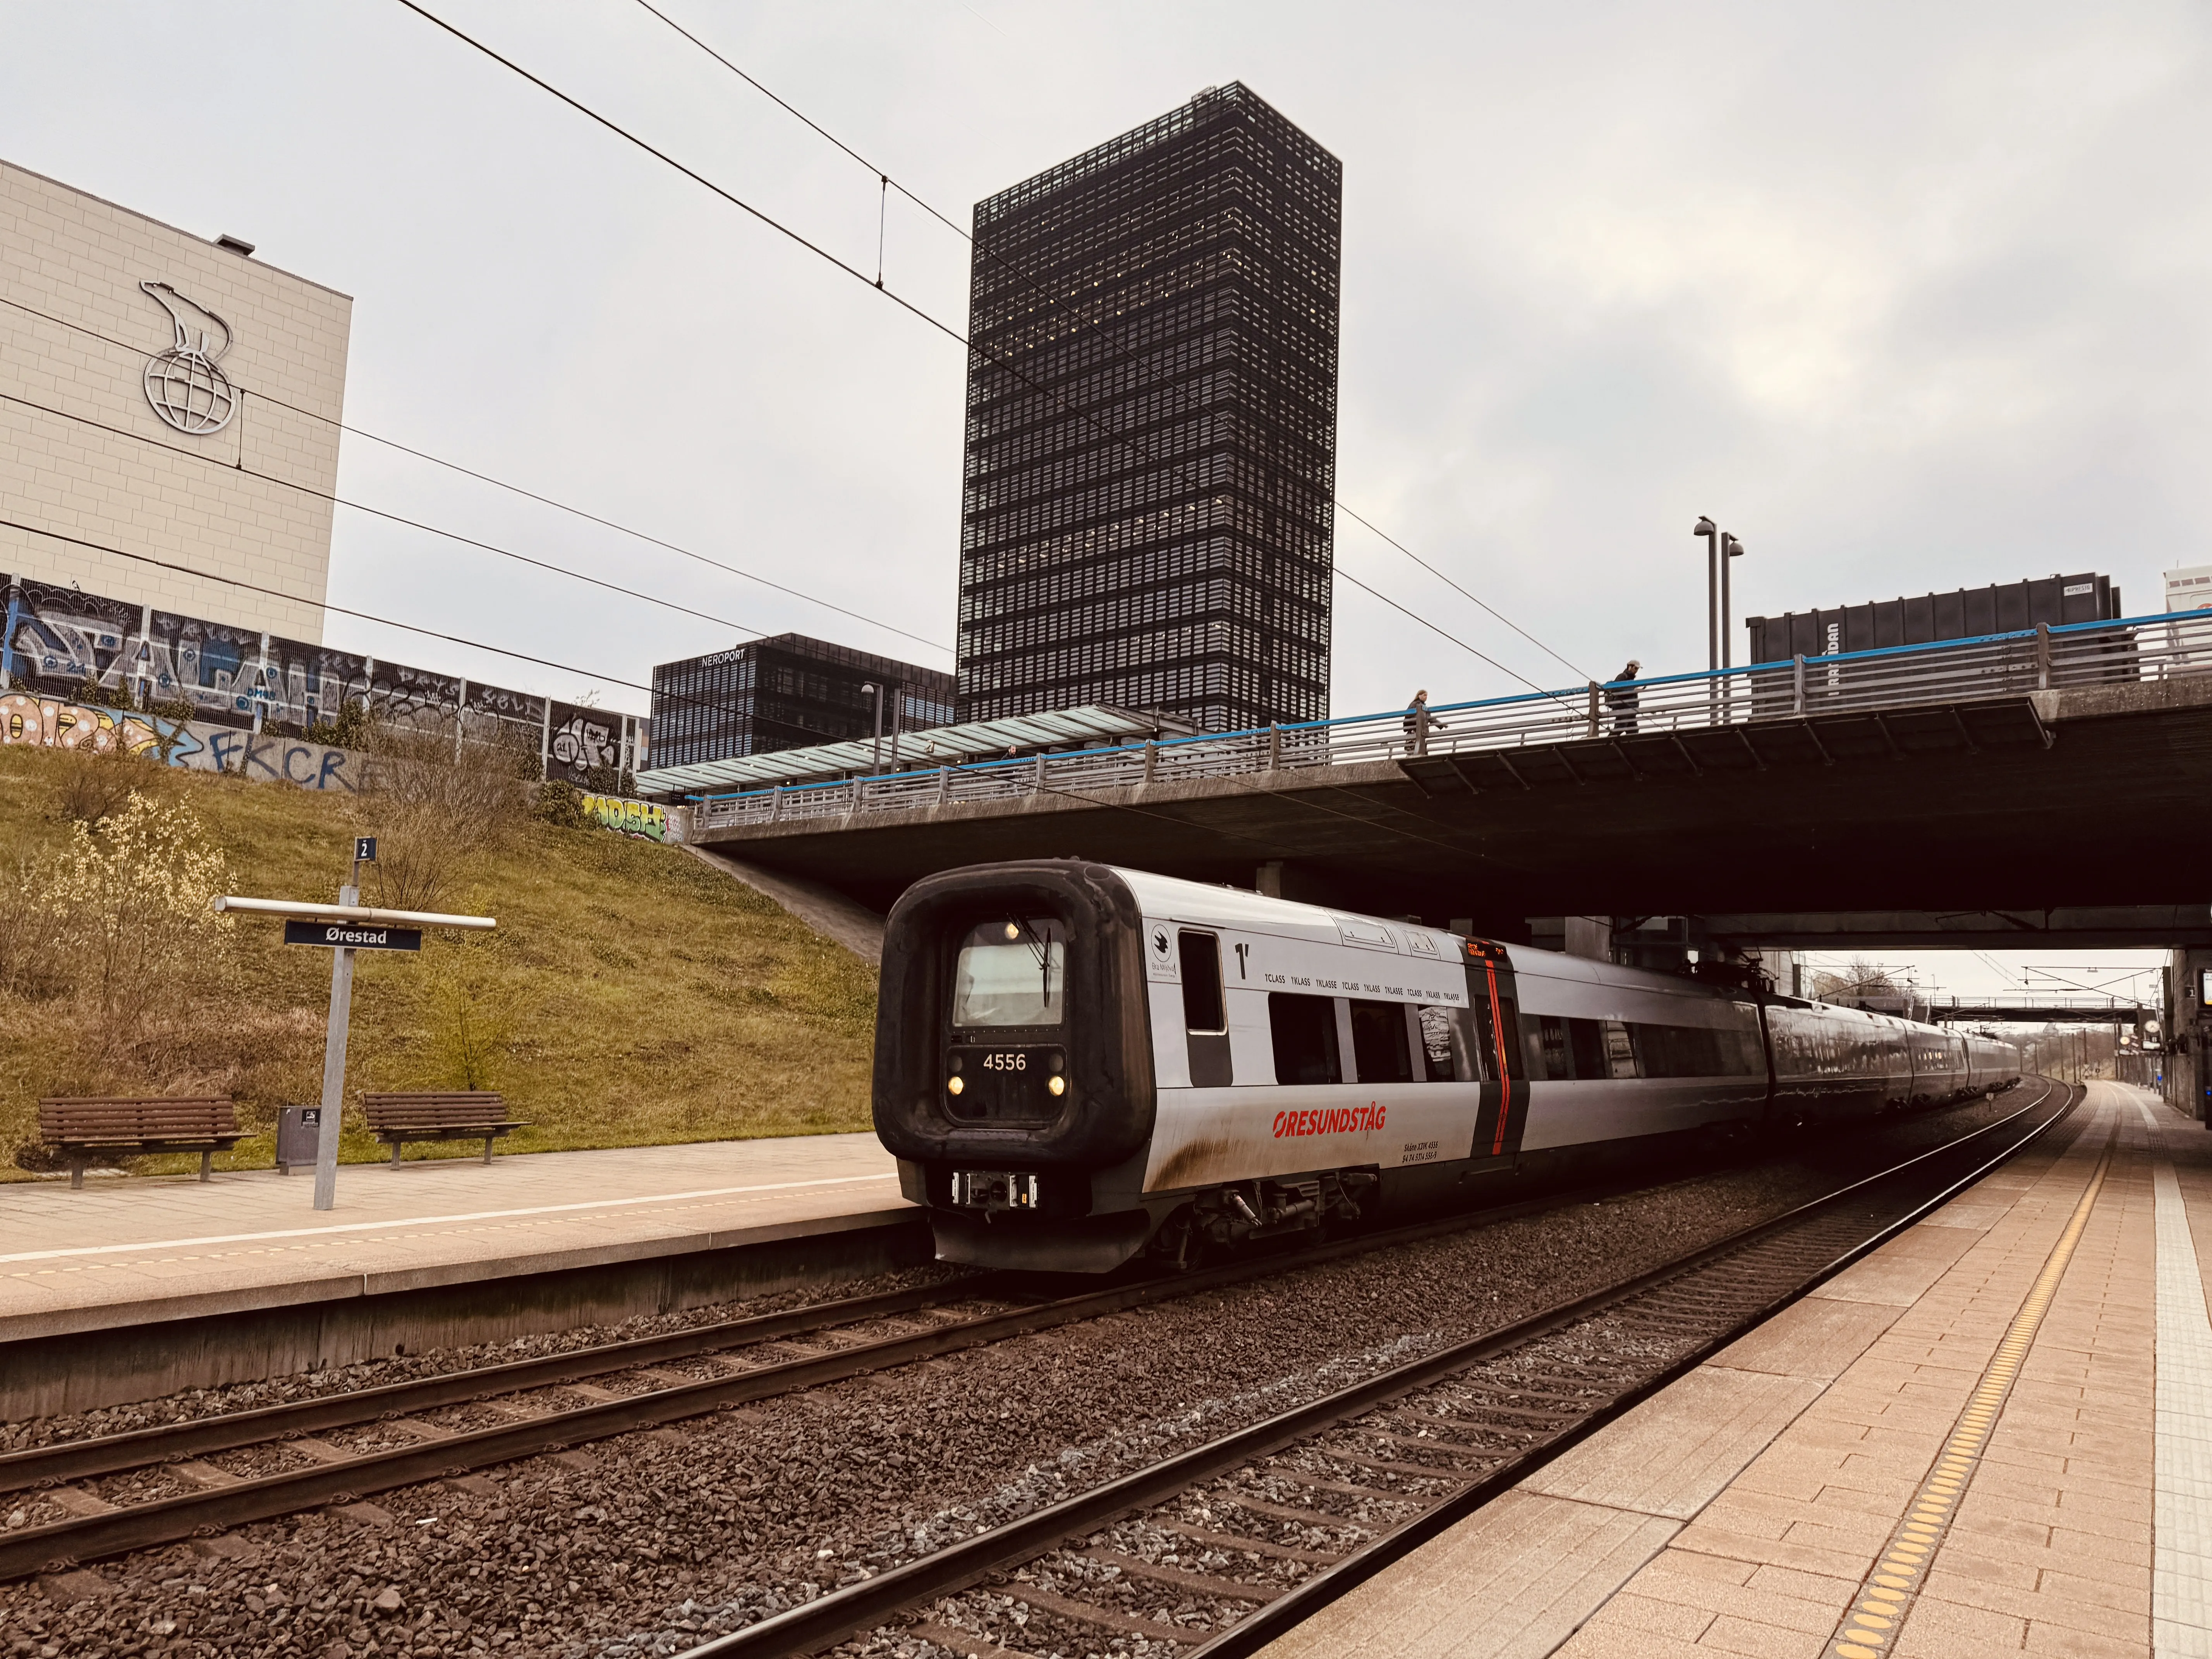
(170, 1246)
(1761, 1505)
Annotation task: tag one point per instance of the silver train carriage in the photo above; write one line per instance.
(1075, 1062)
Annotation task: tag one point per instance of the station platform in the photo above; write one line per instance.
(1992, 1436)
(129, 1253)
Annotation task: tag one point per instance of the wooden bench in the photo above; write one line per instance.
(471, 1115)
(78, 1125)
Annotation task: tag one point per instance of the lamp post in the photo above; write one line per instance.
(876, 752)
(1712, 532)
(1731, 550)
(1720, 548)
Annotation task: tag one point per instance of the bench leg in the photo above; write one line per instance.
(207, 1166)
(488, 1140)
(77, 1175)
(396, 1147)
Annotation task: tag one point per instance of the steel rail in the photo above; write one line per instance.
(164, 1443)
(79, 1538)
(855, 1608)
(1248, 1635)
(139, 1526)
(75, 1460)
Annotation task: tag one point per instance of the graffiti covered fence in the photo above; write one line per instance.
(265, 756)
(57, 641)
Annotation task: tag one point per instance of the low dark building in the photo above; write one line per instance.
(1968, 613)
(785, 692)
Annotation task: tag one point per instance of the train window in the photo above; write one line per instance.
(1587, 1038)
(1619, 1050)
(1203, 1008)
(1444, 1049)
(1549, 1057)
(1304, 1032)
(1691, 1051)
(1378, 1042)
(1012, 972)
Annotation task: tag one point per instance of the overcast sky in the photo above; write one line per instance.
(1908, 297)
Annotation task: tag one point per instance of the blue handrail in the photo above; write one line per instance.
(980, 767)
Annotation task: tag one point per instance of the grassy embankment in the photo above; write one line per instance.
(631, 995)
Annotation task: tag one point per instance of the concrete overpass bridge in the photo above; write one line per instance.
(2043, 786)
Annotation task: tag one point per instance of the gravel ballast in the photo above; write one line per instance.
(648, 1542)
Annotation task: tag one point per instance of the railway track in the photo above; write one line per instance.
(158, 1489)
(1253, 1531)
(428, 1428)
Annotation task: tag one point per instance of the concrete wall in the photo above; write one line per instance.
(2188, 1084)
(76, 334)
(77, 1371)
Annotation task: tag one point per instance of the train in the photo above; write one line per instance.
(1078, 1064)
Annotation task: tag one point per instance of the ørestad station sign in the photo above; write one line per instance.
(353, 936)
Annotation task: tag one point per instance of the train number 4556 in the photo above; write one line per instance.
(1006, 1062)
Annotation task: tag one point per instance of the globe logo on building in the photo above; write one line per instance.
(182, 384)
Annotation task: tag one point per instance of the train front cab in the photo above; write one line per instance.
(1226, 1064)
(1013, 1074)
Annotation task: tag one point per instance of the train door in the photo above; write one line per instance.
(1503, 1111)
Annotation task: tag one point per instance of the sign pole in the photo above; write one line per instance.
(334, 1058)
(334, 1044)
(345, 928)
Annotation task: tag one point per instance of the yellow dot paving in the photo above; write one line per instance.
(1767, 1501)
(1886, 1598)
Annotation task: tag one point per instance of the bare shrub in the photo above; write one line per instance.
(434, 798)
(1857, 977)
(30, 932)
(93, 787)
(472, 1011)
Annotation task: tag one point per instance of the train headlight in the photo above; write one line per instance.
(1058, 1085)
(954, 1086)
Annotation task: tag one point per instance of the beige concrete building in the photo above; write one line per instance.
(169, 396)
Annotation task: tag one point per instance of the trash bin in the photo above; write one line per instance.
(299, 1130)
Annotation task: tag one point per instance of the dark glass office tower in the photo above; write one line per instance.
(1152, 426)
(786, 691)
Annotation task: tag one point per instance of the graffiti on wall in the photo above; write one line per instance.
(639, 818)
(61, 635)
(44, 723)
(581, 739)
(194, 745)
(57, 639)
(202, 746)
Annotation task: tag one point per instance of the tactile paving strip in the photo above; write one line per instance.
(1887, 1595)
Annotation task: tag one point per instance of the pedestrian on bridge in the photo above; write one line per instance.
(1620, 695)
(1420, 723)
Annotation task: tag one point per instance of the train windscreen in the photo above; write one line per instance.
(1011, 973)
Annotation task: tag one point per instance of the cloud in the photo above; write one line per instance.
(1909, 299)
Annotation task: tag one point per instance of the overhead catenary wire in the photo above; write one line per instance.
(393, 518)
(320, 604)
(486, 477)
(997, 359)
(888, 184)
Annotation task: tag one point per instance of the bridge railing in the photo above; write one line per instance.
(1893, 678)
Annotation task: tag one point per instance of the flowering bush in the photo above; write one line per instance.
(131, 900)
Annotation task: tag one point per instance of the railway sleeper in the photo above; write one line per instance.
(1234, 1542)
(1183, 1578)
(1083, 1612)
